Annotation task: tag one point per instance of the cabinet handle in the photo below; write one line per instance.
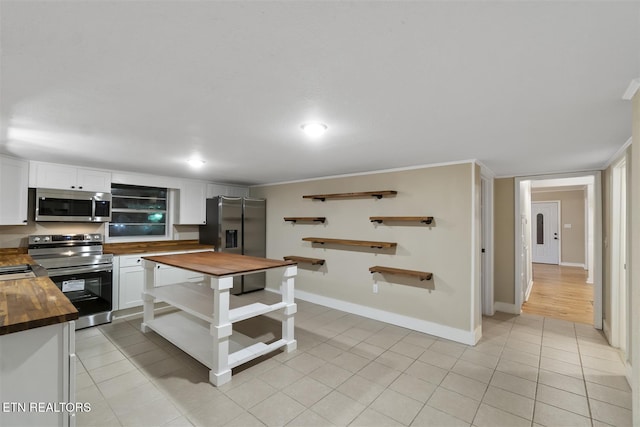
(158, 267)
(138, 260)
(73, 186)
(80, 187)
(25, 221)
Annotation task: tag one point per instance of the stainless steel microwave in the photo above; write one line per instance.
(72, 206)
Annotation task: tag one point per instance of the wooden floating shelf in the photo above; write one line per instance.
(422, 275)
(363, 243)
(423, 219)
(312, 261)
(376, 194)
(295, 219)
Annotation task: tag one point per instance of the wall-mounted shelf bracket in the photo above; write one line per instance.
(312, 261)
(376, 194)
(422, 275)
(362, 243)
(422, 219)
(295, 219)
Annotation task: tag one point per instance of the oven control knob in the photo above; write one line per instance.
(46, 239)
(36, 239)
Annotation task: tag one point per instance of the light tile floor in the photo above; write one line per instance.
(350, 370)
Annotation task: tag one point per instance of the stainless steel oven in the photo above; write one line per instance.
(76, 264)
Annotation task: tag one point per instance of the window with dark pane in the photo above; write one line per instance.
(540, 229)
(138, 211)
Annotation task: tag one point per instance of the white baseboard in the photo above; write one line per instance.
(442, 331)
(529, 289)
(606, 328)
(573, 264)
(506, 307)
(628, 372)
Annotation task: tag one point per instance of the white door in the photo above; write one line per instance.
(545, 243)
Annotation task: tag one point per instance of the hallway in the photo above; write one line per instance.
(561, 293)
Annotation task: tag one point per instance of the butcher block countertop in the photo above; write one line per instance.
(15, 259)
(32, 303)
(218, 263)
(160, 246)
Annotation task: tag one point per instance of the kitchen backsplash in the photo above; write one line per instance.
(16, 236)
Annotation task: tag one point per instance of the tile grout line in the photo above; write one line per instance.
(535, 395)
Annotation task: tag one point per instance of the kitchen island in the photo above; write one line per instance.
(203, 327)
(37, 350)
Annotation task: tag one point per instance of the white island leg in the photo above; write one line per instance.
(290, 309)
(147, 300)
(221, 330)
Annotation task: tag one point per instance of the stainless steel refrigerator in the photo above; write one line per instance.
(238, 226)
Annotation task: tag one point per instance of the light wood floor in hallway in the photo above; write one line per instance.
(561, 293)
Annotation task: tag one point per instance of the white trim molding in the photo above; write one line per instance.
(631, 91)
(618, 154)
(573, 264)
(442, 331)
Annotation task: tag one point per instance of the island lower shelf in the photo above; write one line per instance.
(193, 336)
(197, 300)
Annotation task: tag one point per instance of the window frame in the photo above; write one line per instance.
(168, 235)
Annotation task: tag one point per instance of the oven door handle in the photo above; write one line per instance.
(80, 270)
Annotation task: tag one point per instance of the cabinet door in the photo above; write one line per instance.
(36, 368)
(214, 190)
(94, 180)
(192, 203)
(55, 176)
(14, 190)
(237, 191)
(131, 283)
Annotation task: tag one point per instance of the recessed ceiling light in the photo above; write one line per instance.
(314, 129)
(196, 163)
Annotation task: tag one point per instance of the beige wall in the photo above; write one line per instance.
(504, 240)
(445, 249)
(572, 205)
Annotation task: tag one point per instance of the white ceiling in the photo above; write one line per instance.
(525, 87)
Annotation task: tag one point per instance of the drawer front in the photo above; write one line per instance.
(131, 260)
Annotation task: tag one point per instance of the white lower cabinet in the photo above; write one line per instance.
(38, 377)
(131, 278)
(130, 287)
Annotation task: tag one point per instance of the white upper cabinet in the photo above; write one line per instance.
(192, 204)
(192, 196)
(214, 190)
(64, 177)
(14, 190)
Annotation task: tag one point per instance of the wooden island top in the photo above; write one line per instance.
(218, 263)
(131, 248)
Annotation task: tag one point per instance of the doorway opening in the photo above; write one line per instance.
(558, 246)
